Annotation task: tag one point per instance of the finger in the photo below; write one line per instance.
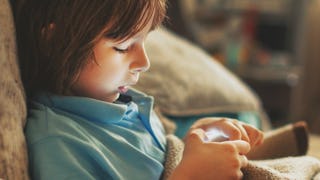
(243, 160)
(196, 135)
(241, 146)
(260, 138)
(231, 130)
(255, 135)
(240, 176)
(243, 131)
(204, 123)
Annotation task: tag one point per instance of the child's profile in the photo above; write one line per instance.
(78, 60)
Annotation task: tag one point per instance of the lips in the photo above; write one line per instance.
(133, 80)
(123, 89)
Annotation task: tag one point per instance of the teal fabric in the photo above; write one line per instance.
(82, 138)
(183, 123)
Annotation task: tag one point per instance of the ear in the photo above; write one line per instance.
(47, 31)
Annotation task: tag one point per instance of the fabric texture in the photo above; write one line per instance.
(13, 156)
(302, 167)
(314, 149)
(173, 155)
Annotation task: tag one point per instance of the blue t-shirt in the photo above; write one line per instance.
(82, 138)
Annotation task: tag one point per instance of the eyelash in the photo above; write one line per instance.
(122, 51)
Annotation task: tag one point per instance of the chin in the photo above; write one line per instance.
(113, 98)
(108, 98)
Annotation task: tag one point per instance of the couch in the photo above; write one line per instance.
(185, 81)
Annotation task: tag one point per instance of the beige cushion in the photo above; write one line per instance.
(13, 151)
(186, 81)
(305, 102)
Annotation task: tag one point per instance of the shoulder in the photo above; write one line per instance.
(53, 136)
(45, 122)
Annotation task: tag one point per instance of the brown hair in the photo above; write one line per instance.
(51, 57)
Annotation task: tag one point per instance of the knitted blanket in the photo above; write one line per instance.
(300, 168)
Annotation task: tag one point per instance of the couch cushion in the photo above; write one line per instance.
(13, 151)
(186, 81)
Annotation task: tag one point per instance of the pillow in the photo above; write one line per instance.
(186, 81)
(13, 150)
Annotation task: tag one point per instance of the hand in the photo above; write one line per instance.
(235, 129)
(211, 160)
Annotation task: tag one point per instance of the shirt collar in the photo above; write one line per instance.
(92, 109)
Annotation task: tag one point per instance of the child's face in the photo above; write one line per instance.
(116, 66)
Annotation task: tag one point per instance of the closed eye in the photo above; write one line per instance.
(122, 51)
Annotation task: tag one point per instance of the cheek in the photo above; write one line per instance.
(101, 76)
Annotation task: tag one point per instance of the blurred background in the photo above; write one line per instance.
(272, 45)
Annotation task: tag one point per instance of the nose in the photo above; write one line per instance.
(141, 61)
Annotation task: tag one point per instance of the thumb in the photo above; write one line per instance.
(243, 147)
(196, 135)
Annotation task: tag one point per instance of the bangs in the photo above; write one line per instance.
(133, 16)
